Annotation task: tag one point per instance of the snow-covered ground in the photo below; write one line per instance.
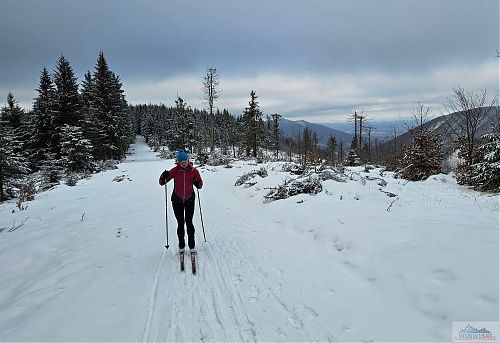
(89, 262)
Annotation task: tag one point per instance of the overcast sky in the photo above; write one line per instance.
(307, 59)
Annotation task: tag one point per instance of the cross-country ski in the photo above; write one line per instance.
(181, 260)
(193, 262)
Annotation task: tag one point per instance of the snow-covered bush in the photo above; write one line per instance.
(100, 166)
(27, 192)
(262, 172)
(309, 185)
(330, 174)
(368, 167)
(217, 159)
(293, 168)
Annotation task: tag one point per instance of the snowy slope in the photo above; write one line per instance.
(89, 263)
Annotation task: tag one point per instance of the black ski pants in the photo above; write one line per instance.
(184, 214)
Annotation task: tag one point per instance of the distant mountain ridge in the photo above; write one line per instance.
(292, 128)
(382, 130)
(437, 126)
(440, 127)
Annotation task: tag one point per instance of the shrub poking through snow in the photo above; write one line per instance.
(217, 159)
(309, 185)
(329, 174)
(293, 168)
(243, 180)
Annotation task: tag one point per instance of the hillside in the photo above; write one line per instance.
(352, 263)
(382, 130)
(295, 128)
(440, 127)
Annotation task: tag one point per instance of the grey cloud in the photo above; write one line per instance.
(153, 40)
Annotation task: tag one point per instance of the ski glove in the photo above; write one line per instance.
(163, 177)
(198, 184)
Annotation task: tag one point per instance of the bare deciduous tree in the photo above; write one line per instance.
(358, 118)
(472, 110)
(369, 130)
(418, 117)
(211, 92)
(276, 133)
(361, 117)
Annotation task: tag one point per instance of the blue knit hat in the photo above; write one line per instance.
(182, 156)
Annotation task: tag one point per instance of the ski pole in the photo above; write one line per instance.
(201, 215)
(166, 213)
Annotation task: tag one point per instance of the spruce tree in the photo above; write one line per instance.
(42, 129)
(226, 120)
(7, 161)
(306, 144)
(352, 158)
(86, 100)
(123, 134)
(111, 128)
(76, 151)
(182, 126)
(12, 162)
(331, 147)
(67, 101)
(103, 125)
(423, 156)
(252, 118)
(276, 133)
(16, 122)
(12, 113)
(315, 148)
(91, 127)
(485, 175)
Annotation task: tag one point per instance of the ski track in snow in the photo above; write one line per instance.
(301, 269)
(201, 307)
(152, 298)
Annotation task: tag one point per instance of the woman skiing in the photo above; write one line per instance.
(185, 176)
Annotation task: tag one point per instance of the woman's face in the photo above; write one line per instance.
(184, 164)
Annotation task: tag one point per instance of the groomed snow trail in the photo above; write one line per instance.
(152, 299)
(89, 263)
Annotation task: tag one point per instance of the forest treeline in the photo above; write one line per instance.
(74, 130)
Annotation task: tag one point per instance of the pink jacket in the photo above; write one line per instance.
(184, 179)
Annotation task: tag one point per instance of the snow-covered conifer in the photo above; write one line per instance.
(423, 157)
(76, 151)
(43, 111)
(13, 164)
(112, 131)
(68, 102)
(252, 118)
(331, 147)
(352, 158)
(485, 175)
